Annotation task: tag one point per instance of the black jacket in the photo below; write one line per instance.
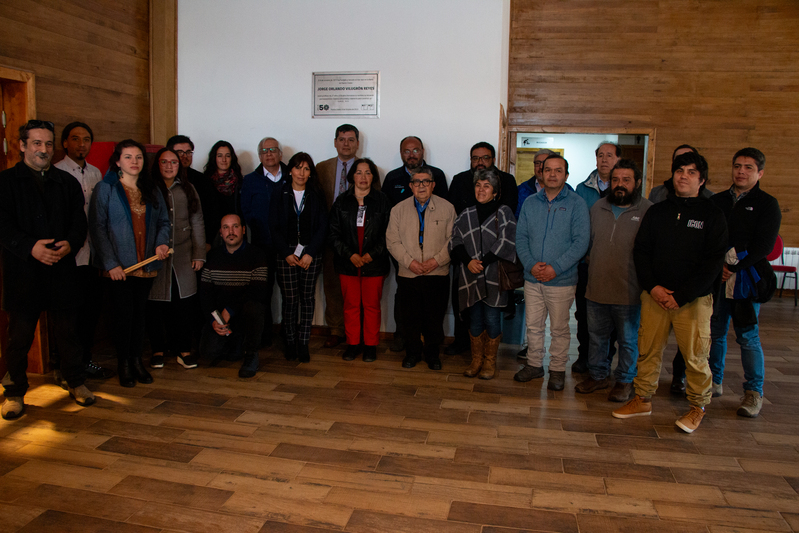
(28, 214)
(681, 245)
(344, 233)
(283, 221)
(397, 185)
(205, 190)
(752, 224)
(461, 191)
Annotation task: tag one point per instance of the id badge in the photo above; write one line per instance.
(361, 216)
(298, 250)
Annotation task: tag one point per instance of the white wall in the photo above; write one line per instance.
(244, 72)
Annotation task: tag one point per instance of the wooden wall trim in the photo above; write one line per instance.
(163, 70)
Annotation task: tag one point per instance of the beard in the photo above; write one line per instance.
(410, 165)
(626, 198)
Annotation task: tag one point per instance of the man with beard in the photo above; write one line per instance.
(77, 139)
(596, 186)
(397, 186)
(233, 284)
(461, 196)
(678, 253)
(613, 295)
(42, 225)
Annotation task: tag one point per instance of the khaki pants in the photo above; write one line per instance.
(539, 301)
(691, 324)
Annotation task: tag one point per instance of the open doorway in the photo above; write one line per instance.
(577, 146)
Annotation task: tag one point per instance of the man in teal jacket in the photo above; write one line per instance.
(552, 236)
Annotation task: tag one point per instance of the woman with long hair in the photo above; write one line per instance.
(358, 222)
(171, 307)
(128, 223)
(224, 173)
(298, 222)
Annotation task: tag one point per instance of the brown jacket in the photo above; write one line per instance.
(402, 235)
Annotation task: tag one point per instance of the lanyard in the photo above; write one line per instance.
(420, 209)
(298, 210)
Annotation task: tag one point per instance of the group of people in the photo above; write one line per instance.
(156, 237)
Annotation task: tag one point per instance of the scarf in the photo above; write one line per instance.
(225, 183)
(486, 210)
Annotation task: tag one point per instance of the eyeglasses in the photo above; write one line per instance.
(415, 151)
(417, 183)
(268, 150)
(181, 153)
(36, 124)
(168, 162)
(538, 163)
(484, 158)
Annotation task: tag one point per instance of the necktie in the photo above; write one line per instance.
(342, 182)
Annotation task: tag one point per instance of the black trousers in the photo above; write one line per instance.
(423, 303)
(245, 333)
(463, 318)
(269, 321)
(398, 319)
(170, 324)
(129, 301)
(21, 329)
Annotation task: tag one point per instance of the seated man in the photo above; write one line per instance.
(233, 284)
(418, 237)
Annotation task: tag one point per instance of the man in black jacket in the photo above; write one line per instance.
(184, 149)
(42, 226)
(461, 195)
(753, 222)
(678, 254)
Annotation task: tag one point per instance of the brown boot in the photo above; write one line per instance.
(478, 354)
(490, 363)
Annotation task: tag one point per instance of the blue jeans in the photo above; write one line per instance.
(483, 317)
(602, 319)
(747, 337)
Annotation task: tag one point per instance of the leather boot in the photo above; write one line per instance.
(142, 376)
(490, 363)
(478, 354)
(125, 372)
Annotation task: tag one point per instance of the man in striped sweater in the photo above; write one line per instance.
(233, 284)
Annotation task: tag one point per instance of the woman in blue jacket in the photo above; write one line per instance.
(128, 223)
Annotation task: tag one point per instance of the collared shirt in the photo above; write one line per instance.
(603, 185)
(736, 197)
(420, 209)
(272, 177)
(339, 166)
(88, 177)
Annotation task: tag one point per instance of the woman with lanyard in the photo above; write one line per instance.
(358, 222)
(482, 235)
(298, 222)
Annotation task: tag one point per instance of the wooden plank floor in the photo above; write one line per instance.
(358, 447)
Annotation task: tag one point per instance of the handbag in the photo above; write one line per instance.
(511, 273)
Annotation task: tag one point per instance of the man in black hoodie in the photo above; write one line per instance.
(678, 253)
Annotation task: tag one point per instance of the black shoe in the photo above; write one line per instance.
(410, 361)
(126, 378)
(522, 354)
(580, 366)
(157, 360)
(58, 379)
(369, 354)
(290, 351)
(303, 355)
(557, 379)
(94, 371)
(433, 362)
(352, 352)
(142, 376)
(457, 348)
(527, 372)
(250, 366)
(678, 386)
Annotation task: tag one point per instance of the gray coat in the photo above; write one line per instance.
(188, 240)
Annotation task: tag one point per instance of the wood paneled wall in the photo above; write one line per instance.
(90, 58)
(716, 74)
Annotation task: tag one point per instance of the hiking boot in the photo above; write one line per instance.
(478, 354)
(751, 404)
(590, 384)
(716, 390)
(557, 380)
(691, 420)
(621, 392)
(82, 396)
(638, 406)
(490, 361)
(13, 407)
(250, 365)
(529, 372)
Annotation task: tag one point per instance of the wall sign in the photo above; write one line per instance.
(346, 94)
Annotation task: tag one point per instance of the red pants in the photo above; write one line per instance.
(368, 291)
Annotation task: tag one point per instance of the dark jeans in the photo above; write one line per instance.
(485, 318)
(170, 324)
(129, 301)
(245, 334)
(423, 303)
(21, 329)
(271, 271)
